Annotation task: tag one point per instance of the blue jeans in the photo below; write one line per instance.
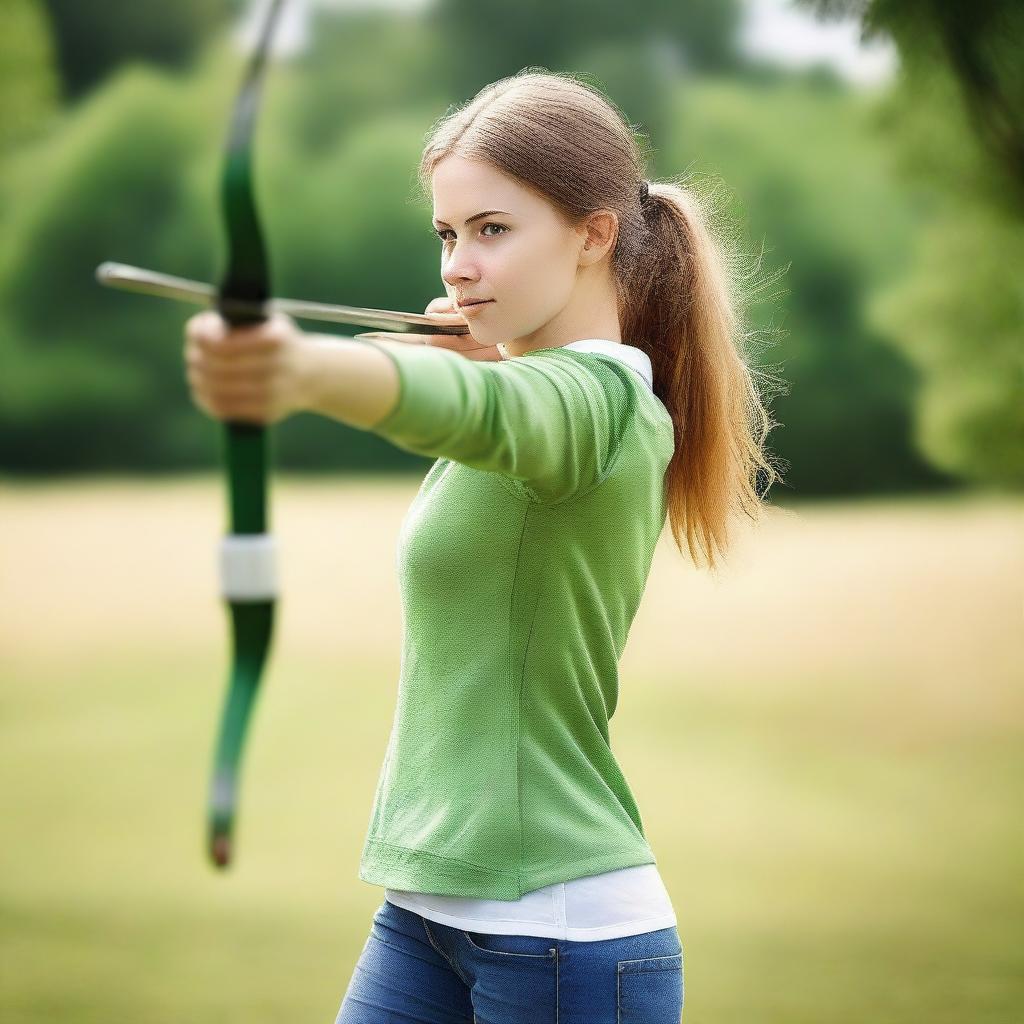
(416, 971)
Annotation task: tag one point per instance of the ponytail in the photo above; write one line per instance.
(683, 306)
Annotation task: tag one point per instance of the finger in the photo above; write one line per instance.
(218, 367)
(210, 329)
(411, 339)
(220, 386)
(212, 326)
(240, 345)
(237, 349)
(247, 410)
(275, 330)
(443, 304)
(445, 317)
(208, 324)
(464, 344)
(258, 337)
(456, 342)
(231, 409)
(243, 414)
(490, 354)
(211, 322)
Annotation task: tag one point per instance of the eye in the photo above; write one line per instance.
(443, 233)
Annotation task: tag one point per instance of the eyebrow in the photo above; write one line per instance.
(477, 216)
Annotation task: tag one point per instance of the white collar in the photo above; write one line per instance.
(635, 358)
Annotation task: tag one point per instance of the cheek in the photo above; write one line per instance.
(532, 278)
(537, 277)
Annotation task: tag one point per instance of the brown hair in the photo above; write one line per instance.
(679, 281)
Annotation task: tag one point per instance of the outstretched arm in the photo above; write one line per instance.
(551, 422)
(353, 382)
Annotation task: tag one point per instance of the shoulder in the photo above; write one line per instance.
(592, 379)
(590, 370)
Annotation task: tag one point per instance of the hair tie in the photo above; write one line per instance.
(645, 191)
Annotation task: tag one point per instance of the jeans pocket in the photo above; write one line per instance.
(515, 977)
(531, 947)
(650, 990)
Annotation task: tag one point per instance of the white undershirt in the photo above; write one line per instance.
(626, 901)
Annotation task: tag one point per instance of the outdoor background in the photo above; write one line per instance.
(825, 742)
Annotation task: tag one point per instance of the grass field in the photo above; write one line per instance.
(825, 743)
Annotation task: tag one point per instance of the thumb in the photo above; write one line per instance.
(443, 304)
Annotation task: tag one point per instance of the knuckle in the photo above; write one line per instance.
(208, 322)
(281, 324)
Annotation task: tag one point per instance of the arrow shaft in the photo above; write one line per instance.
(149, 282)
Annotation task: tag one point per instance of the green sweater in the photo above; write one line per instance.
(521, 564)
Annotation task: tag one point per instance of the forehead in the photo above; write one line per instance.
(461, 187)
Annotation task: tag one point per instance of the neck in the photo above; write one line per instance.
(592, 312)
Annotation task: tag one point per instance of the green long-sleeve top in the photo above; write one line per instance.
(521, 563)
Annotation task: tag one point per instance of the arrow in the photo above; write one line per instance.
(149, 282)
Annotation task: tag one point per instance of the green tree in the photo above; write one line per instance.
(485, 40)
(832, 213)
(28, 81)
(91, 39)
(958, 315)
(93, 378)
(956, 123)
(978, 42)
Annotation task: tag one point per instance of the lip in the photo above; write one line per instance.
(473, 302)
(471, 308)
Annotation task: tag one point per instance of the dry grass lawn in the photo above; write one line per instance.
(825, 743)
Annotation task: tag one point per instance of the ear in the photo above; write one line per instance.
(598, 232)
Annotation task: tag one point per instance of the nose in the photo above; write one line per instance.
(457, 268)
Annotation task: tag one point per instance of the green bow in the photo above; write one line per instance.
(248, 569)
(247, 554)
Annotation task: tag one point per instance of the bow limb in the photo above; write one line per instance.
(247, 554)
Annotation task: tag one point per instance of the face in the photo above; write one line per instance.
(501, 241)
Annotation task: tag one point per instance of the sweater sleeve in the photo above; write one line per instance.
(551, 420)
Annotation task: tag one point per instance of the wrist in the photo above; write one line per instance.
(309, 371)
(345, 379)
(318, 362)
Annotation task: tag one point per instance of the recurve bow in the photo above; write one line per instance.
(248, 553)
(248, 569)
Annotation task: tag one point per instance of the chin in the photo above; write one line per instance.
(482, 337)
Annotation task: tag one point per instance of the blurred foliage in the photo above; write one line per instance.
(955, 128)
(845, 418)
(979, 43)
(359, 67)
(93, 379)
(28, 83)
(91, 40)
(958, 313)
(702, 33)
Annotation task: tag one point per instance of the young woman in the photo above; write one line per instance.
(601, 389)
